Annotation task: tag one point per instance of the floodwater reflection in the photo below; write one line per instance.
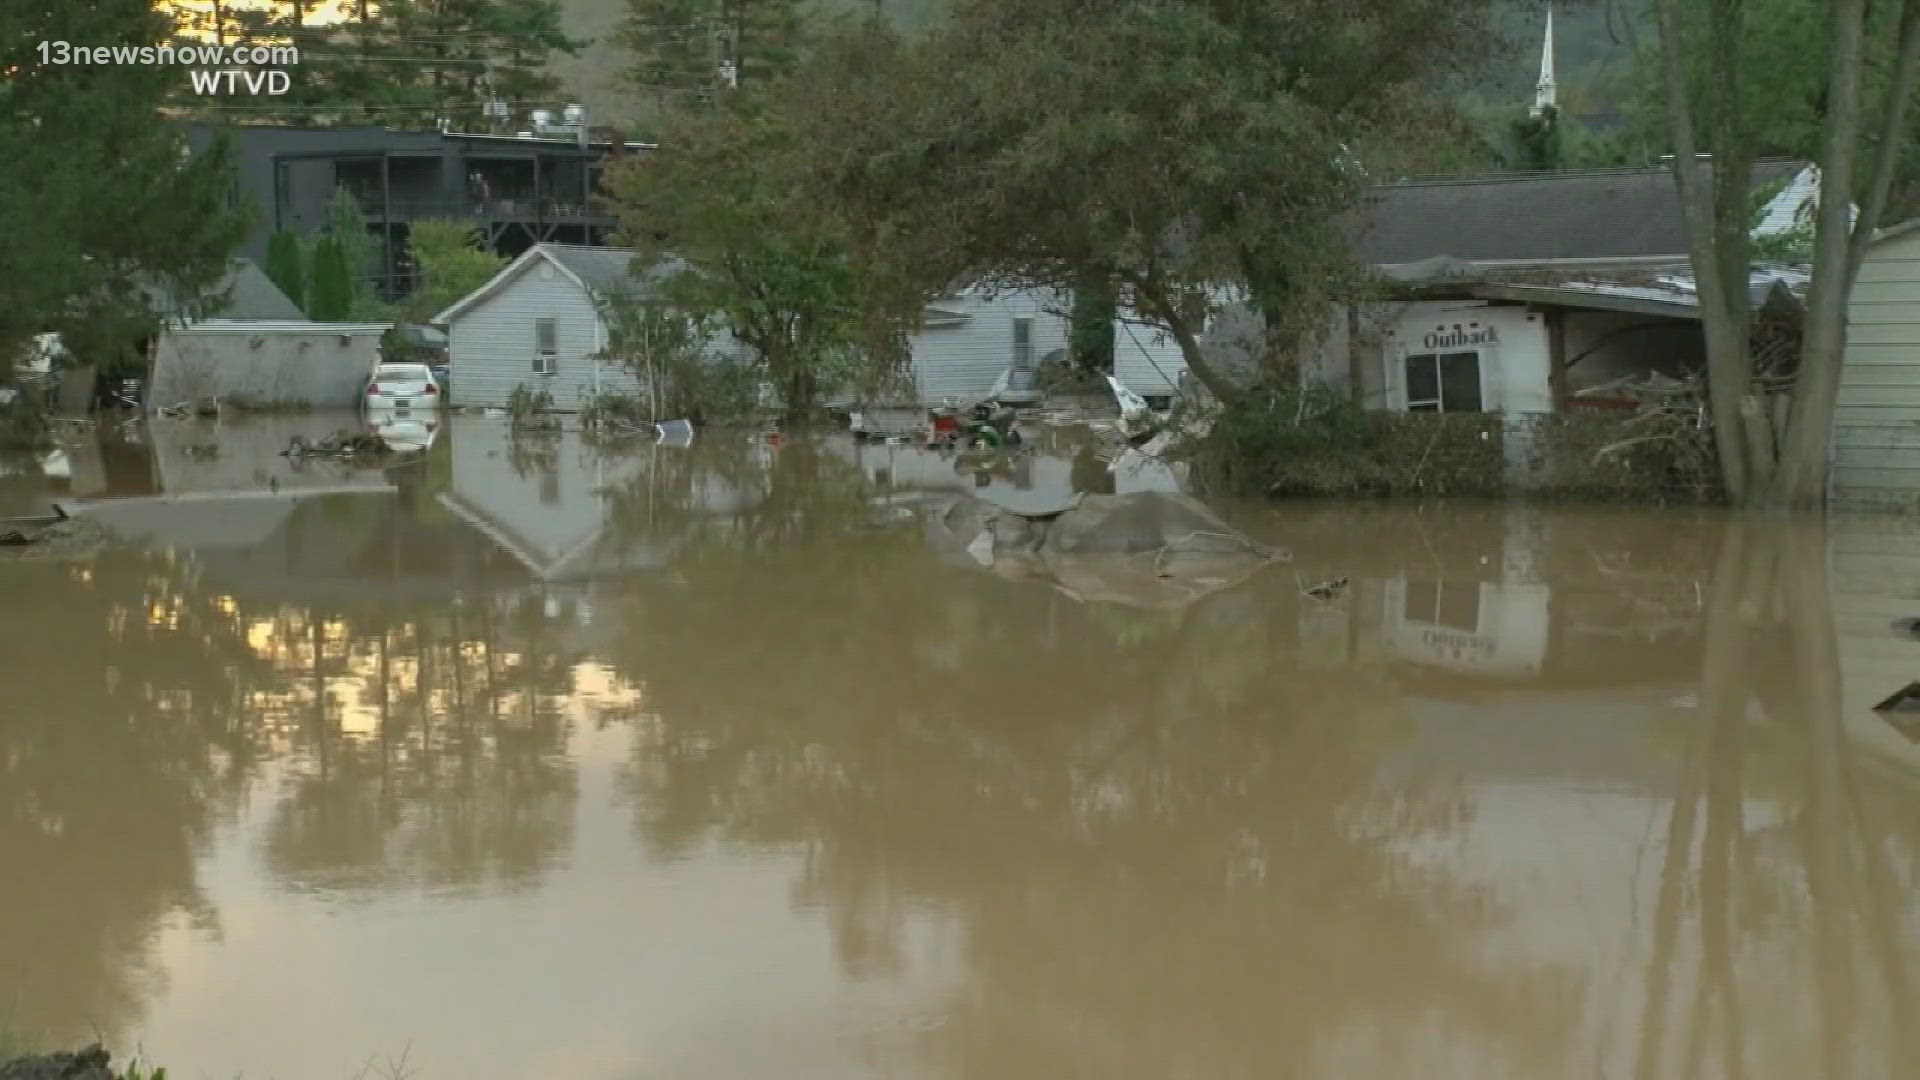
(543, 758)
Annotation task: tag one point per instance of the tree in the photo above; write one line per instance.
(409, 61)
(1178, 148)
(690, 50)
(1539, 144)
(330, 294)
(364, 259)
(99, 201)
(286, 266)
(450, 262)
(1091, 326)
(1709, 111)
(717, 202)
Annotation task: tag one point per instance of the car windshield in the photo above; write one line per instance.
(402, 372)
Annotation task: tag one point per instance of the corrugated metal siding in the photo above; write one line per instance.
(963, 361)
(491, 343)
(1876, 439)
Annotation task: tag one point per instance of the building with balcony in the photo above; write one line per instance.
(518, 190)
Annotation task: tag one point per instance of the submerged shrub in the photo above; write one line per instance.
(1315, 440)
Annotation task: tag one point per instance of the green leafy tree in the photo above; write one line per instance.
(450, 262)
(99, 201)
(286, 266)
(1712, 100)
(755, 253)
(1013, 146)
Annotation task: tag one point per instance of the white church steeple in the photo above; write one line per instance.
(1544, 96)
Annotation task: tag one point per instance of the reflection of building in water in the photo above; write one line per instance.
(1493, 620)
(1038, 479)
(1484, 627)
(1875, 579)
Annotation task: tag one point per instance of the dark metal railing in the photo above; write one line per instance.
(497, 207)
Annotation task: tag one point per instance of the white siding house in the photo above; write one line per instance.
(535, 324)
(972, 338)
(1876, 433)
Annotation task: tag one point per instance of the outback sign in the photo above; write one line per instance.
(1448, 339)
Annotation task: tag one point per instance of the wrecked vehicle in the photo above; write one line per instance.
(1144, 549)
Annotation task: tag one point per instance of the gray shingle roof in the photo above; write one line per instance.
(1622, 213)
(604, 268)
(253, 296)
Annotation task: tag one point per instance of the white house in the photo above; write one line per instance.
(536, 324)
(1531, 294)
(973, 338)
(1876, 433)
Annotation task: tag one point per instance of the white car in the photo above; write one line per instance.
(403, 387)
(404, 432)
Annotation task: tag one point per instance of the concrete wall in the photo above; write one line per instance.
(319, 365)
(1876, 438)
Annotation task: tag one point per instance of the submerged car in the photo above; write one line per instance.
(403, 387)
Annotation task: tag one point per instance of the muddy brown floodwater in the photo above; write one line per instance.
(537, 760)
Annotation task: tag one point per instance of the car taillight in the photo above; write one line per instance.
(431, 389)
(372, 389)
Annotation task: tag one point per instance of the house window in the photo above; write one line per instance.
(1452, 604)
(546, 345)
(1443, 382)
(1023, 344)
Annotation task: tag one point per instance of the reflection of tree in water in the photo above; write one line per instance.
(107, 784)
(456, 773)
(1164, 841)
(1826, 886)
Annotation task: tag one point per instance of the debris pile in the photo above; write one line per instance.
(93, 1063)
(341, 443)
(1144, 549)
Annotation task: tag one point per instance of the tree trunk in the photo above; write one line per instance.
(1723, 303)
(1839, 244)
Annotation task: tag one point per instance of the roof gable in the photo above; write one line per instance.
(595, 270)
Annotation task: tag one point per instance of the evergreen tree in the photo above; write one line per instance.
(99, 201)
(360, 253)
(286, 266)
(409, 62)
(1538, 144)
(683, 50)
(330, 296)
(1094, 310)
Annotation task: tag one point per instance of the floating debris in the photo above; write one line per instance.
(1326, 590)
